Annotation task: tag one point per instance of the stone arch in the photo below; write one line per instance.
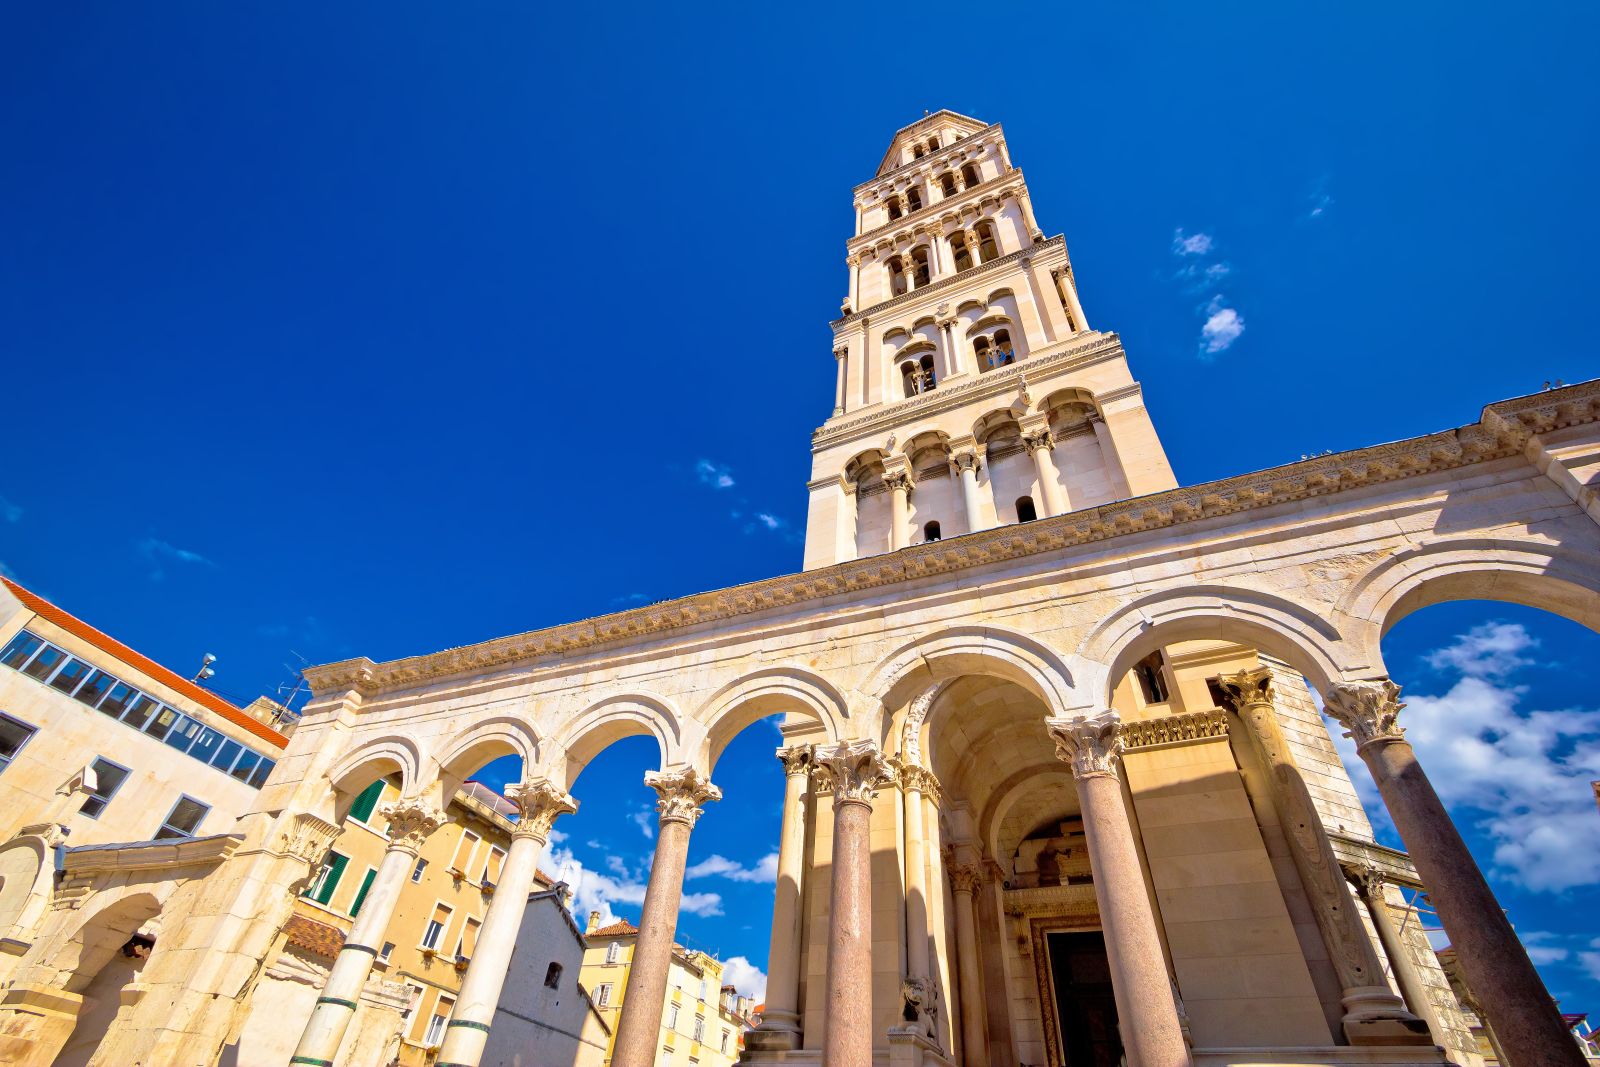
(25, 884)
(368, 760)
(101, 934)
(489, 739)
(1274, 624)
(1017, 787)
(958, 651)
(608, 721)
(765, 692)
(1551, 578)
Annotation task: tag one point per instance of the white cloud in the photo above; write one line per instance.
(1542, 947)
(1222, 327)
(591, 890)
(765, 870)
(714, 475)
(160, 552)
(557, 837)
(8, 511)
(1194, 244)
(704, 905)
(7, 572)
(1521, 778)
(771, 522)
(747, 978)
(645, 820)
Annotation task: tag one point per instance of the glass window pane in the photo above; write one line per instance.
(116, 702)
(108, 779)
(247, 763)
(227, 752)
(205, 744)
(179, 733)
(13, 735)
(46, 661)
(71, 675)
(143, 711)
(95, 688)
(186, 815)
(19, 649)
(263, 769)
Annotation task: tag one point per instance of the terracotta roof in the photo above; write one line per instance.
(111, 646)
(616, 929)
(318, 938)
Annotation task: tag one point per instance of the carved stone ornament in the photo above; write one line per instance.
(1253, 686)
(921, 1003)
(796, 759)
(897, 480)
(1091, 743)
(540, 803)
(1039, 439)
(680, 794)
(307, 837)
(911, 732)
(913, 777)
(411, 820)
(1367, 710)
(966, 877)
(964, 460)
(855, 770)
(1369, 879)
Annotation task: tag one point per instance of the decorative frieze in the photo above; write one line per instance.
(1175, 729)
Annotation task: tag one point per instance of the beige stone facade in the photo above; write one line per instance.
(1056, 788)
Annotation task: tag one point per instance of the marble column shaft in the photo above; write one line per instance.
(972, 503)
(964, 881)
(916, 877)
(840, 355)
(410, 822)
(1040, 445)
(899, 509)
(644, 1000)
(1147, 1014)
(855, 770)
(540, 804)
(1370, 884)
(1515, 1003)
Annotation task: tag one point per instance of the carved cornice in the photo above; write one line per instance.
(1081, 350)
(1322, 476)
(540, 804)
(965, 277)
(1178, 729)
(1368, 711)
(680, 793)
(1092, 744)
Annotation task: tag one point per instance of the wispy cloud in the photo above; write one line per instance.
(1222, 327)
(765, 870)
(714, 474)
(629, 600)
(645, 820)
(10, 512)
(1191, 244)
(7, 572)
(1198, 272)
(161, 553)
(1318, 201)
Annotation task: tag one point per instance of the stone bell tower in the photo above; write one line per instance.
(971, 392)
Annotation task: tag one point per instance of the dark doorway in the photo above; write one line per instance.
(1084, 1001)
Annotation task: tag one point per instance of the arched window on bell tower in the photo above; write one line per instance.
(916, 375)
(969, 175)
(914, 198)
(947, 184)
(921, 273)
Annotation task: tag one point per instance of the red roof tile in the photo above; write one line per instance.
(616, 929)
(314, 937)
(111, 646)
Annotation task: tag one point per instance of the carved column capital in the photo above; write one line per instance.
(1038, 439)
(1368, 711)
(920, 779)
(966, 877)
(1368, 878)
(898, 481)
(796, 759)
(1091, 743)
(540, 803)
(841, 352)
(1253, 686)
(856, 770)
(963, 460)
(680, 793)
(411, 820)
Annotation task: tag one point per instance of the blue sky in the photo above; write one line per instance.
(380, 329)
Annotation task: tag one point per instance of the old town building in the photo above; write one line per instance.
(1057, 787)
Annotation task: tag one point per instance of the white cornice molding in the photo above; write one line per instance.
(1501, 432)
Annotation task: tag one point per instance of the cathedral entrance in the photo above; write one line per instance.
(1079, 977)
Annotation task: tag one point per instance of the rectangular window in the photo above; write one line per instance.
(71, 675)
(361, 891)
(118, 699)
(699, 1027)
(436, 927)
(248, 760)
(436, 1025)
(14, 733)
(142, 710)
(108, 778)
(464, 851)
(323, 885)
(19, 649)
(416, 872)
(263, 769)
(45, 663)
(185, 817)
(366, 802)
(672, 1016)
(96, 687)
(385, 952)
(491, 866)
(227, 752)
(468, 942)
(183, 731)
(602, 995)
(726, 1034)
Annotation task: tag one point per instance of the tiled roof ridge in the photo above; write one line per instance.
(111, 646)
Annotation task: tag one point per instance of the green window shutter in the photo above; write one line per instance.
(336, 866)
(367, 801)
(361, 894)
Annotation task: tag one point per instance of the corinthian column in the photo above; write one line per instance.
(1496, 966)
(855, 770)
(540, 803)
(410, 820)
(1040, 444)
(1370, 882)
(899, 483)
(964, 882)
(965, 462)
(840, 354)
(1373, 1015)
(1147, 1015)
(780, 1022)
(680, 795)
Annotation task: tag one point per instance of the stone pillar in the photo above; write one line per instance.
(1147, 1014)
(974, 246)
(855, 770)
(918, 987)
(840, 356)
(1373, 1015)
(899, 483)
(965, 462)
(1039, 444)
(540, 803)
(1370, 882)
(964, 882)
(1108, 452)
(639, 1030)
(951, 358)
(1070, 288)
(1496, 966)
(411, 820)
(780, 1022)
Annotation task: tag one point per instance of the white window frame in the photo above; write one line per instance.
(429, 1038)
(385, 952)
(461, 937)
(417, 871)
(444, 931)
(602, 995)
(613, 951)
(488, 861)
(672, 1016)
(465, 865)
